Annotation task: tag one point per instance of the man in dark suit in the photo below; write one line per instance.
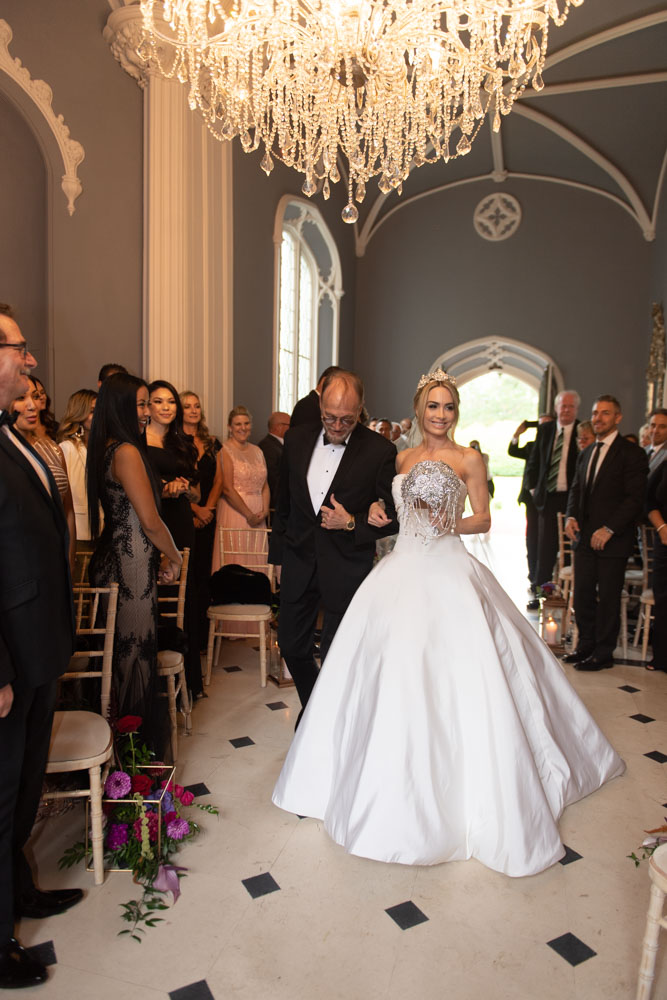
(657, 429)
(551, 469)
(515, 450)
(307, 409)
(321, 540)
(606, 501)
(272, 449)
(36, 642)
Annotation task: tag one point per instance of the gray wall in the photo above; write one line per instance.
(23, 227)
(256, 198)
(97, 254)
(574, 281)
(659, 270)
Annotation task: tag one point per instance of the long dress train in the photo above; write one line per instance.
(441, 727)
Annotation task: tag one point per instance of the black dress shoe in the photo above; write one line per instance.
(40, 903)
(533, 605)
(594, 663)
(575, 657)
(17, 969)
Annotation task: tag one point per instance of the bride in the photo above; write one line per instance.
(441, 727)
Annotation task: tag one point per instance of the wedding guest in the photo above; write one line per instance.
(656, 506)
(209, 472)
(383, 427)
(73, 435)
(372, 424)
(631, 437)
(272, 449)
(585, 434)
(109, 369)
(135, 548)
(173, 459)
(307, 410)
(644, 436)
(48, 425)
(657, 430)
(515, 450)
(27, 412)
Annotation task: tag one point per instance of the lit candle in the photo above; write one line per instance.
(551, 629)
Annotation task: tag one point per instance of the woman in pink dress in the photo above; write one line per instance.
(245, 493)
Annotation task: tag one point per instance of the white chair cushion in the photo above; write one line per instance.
(169, 659)
(78, 736)
(239, 611)
(647, 596)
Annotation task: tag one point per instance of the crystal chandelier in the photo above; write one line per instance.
(386, 84)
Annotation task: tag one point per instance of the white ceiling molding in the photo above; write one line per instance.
(502, 354)
(608, 35)
(41, 96)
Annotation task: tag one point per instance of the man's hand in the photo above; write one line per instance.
(335, 517)
(523, 426)
(572, 528)
(599, 539)
(6, 700)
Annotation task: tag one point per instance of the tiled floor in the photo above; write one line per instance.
(271, 909)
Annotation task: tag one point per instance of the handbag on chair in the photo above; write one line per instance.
(234, 584)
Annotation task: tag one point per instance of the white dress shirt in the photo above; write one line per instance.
(562, 485)
(323, 465)
(604, 450)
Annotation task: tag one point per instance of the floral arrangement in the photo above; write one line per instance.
(650, 844)
(144, 827)
(549, 589)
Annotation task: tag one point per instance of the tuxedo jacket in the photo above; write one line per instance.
(307, 410)
(272, 450)
(36, 616)
(540, 460)
(616, 499)
(523, 451)
(336, 560)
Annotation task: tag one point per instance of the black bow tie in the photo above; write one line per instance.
(327, 441)
(7, 418)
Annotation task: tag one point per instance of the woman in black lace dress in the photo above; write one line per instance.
(128, 551)
(173, 459)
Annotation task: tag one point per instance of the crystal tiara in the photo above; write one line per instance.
(437, 376)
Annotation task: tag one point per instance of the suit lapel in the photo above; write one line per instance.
(351, 449)
(14, 453)
(610, 458)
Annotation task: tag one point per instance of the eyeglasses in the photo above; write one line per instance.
(23, 348)
(343, 421)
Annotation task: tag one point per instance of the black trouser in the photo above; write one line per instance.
(598, 584)
(532, 523)
(296, 629)
(24, 747)
(659, 632)
(547, 536)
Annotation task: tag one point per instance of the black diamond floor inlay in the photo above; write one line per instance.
(657, 755)
(406, 915)
(195, 991)
(275, 705)
(569, 856)
(242, 741)
(43, 952)
(571, 948)
(260, 885)
(231, 670)
(629, 688)
(198, 789)
(642, 718)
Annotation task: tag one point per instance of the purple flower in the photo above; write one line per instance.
(167, 879)
(167, 802)
(117, 785)
(117, 836)
(178, 828)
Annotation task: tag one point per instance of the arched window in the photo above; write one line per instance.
(308, 286)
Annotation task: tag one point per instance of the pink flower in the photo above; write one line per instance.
(170, 816)
(178, 791)
(117, 785)
(152, 827)
(187, 798)
(178, 829)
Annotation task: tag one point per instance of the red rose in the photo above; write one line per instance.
(129, 724)
(168, 817)
(141, 783)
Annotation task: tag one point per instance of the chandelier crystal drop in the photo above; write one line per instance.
(386, 84)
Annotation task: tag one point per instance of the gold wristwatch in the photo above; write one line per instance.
(349, 525)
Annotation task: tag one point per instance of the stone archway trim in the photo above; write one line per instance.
(41, 95)
(476, 357)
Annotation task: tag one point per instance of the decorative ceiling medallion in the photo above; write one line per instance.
(497, 217)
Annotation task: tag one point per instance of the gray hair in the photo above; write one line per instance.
(568, 392)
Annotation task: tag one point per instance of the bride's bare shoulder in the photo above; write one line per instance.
(406, 459)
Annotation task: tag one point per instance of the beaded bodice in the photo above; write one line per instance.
(429, 499)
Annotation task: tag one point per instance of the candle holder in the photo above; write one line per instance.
(553, 614)
(278, 672)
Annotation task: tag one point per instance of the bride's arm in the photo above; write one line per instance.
(475, 479)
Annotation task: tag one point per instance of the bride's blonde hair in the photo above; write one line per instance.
(435, 380)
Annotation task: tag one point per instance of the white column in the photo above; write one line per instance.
(187, 320)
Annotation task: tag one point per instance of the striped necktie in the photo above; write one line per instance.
(554, 465)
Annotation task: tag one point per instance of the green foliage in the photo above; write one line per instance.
(142, 911)
(492, 406)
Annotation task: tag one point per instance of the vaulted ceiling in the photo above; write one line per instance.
(600, 123)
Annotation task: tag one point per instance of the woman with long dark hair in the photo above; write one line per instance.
(130, 546)
(173, 459)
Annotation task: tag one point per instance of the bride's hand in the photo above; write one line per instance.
(377, 516)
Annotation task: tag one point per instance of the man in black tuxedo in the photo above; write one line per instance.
(524, 451)
(36, 642)
(550, 468)
(331, 473)
(307, 409)
(606, 501)
(272, 449)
